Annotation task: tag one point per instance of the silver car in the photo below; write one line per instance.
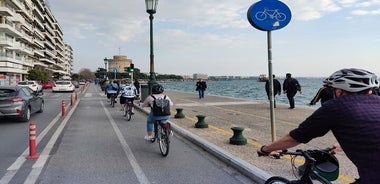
(20, 102)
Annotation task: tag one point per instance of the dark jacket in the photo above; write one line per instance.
(291, 85)
(201, 85)
(276, 87)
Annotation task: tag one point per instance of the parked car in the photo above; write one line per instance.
(20, 102)
(47, 84)
(76, 84)
(82, 82)
(33, 85)
(63, 86)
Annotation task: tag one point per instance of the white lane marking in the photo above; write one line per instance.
(12, 170)
(41, 161)
(88, 95)
(128, 152)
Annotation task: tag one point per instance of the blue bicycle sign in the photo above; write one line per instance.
(273, 14)
(268, 15)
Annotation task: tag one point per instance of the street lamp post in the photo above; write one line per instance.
(151, 6)
(105, 65)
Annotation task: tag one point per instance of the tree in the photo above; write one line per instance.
(38, 74)
(86, 73)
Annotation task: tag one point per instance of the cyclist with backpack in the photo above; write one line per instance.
(160, 108)
(128, 94)
(352, 116)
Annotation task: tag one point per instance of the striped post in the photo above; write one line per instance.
(71, 100)
(63, 108)
(32, 141)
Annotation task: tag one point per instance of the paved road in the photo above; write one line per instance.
(97, 145)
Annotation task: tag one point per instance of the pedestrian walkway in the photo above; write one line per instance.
(223, 113)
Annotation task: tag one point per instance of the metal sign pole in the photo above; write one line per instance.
(271, 95)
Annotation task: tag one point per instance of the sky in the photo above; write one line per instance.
(214, 37)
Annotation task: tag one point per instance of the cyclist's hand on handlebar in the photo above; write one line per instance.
(336, 148)
(273, 154)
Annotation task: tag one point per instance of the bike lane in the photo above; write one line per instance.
(99, 146)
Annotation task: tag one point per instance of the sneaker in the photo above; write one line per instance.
(148, 137)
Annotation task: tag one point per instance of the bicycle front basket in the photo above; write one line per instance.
(326, 165)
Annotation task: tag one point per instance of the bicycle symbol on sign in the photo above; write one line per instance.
(273, 14)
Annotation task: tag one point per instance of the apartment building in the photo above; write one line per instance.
(31, 37)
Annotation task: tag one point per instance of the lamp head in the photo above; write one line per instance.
(151, 6)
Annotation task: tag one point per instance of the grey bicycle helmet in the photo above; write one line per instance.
(157, 89)
(353, 80)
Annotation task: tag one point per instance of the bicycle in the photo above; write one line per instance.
(162, 132)
(128, 110)
(113, 95)
(319, 165)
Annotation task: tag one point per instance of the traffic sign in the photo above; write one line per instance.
(269, 15)
(114, 70)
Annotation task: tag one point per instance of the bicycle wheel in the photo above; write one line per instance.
(112, 101)
(163, 141)
(129, 112)
(277, 180)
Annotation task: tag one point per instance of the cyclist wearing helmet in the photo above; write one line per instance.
(353, 116)
(157, 92)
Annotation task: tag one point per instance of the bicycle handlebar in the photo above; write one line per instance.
(305, 153)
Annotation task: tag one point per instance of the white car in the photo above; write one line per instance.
(33, 85)
(63, 86)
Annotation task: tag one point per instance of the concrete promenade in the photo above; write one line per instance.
(223, 113)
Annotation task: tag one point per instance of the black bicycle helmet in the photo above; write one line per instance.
(157, 89)
(353, 80)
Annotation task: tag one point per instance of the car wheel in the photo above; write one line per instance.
(42, 107)
(26, 116)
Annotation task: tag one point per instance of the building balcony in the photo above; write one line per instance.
(47, 61)
(5, 11)
(6, 42)
(9, 29)
(39, 53)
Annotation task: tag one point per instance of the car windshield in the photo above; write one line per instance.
(62, 82)
(7, 92)
(26, 82)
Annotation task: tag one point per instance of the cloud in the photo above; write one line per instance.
(312, 9)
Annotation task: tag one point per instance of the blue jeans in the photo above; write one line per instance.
(151, 118)
(201, 93)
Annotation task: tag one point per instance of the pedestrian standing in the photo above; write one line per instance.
(137, 86)
(290, 87)
(324, 94)
(276, 89)
(201, 88)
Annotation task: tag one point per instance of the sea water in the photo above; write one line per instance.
(250, 89)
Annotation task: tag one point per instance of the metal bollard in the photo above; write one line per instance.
(179, 113)
(201, 122)
(32, 141)
(238, 138)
